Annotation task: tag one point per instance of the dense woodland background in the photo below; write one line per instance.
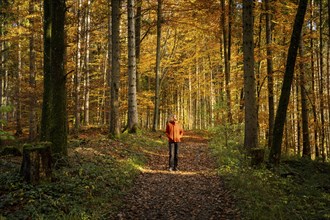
(86, 87)
(193, 69)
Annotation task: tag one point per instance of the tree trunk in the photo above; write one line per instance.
(328, 81)
(3, 71)
(54, 107)
(77, 109)
(87, 69)
(321, 85)
(227, 61)
(32, 78)
(270, 81)
(115, 69)
(157, 90)
(19, 130)
(138, 19)
(132, 96)
(47, 93)
(251, 123)
(275, 153)
(304, 109)
(58, 112)
(315, 121)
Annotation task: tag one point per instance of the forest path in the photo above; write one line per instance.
(193, 192)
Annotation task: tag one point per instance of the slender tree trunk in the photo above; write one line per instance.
(321, 84)
(304, 109)
(115, 69)
(158, 58)
(275, 153)
(191, 115)
(138, 19)
(32, 78)
(270, 81)
(77, 74)
(328, 81)
(87, 68)
(19, 130)
(251, 123)
(132, 96)
(296, 122)
(315, 121)
(2, 67)
(227, 61)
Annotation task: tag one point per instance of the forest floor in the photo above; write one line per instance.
(195, 191)
(128, 178)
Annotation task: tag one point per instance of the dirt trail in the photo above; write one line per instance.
(193, 192)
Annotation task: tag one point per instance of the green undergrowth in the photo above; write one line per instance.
(299, 190)
(92, 186)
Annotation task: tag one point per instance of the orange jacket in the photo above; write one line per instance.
(174, 131)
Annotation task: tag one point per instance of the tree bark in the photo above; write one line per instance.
(115, 69)
(270, 81)
(18, 79)
(304, 109)
(87, 68)
(275, 153)
(315, 121)
(251, 123)
(47, 93)
(58, 112)
(321, 84)
(132, 96)
(54, 119)
(226, 51)
(138, 19)
(32, 78)
(77, 110)
(158, 72)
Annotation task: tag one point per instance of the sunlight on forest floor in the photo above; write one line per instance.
(181, 173)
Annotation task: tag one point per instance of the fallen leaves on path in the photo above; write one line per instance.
(193, 192)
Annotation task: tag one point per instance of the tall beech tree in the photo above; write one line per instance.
(54, 103)
(132, 96)
(251, 122)
(32, 76)
(226, 55)
(190, 65)
(270, 81)
(115, 68)
(304, 109)
(275, 152)
(158, 71)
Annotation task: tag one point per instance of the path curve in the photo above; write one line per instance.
(193, 192)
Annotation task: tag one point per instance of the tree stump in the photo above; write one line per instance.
(257, 156)
(36, 165)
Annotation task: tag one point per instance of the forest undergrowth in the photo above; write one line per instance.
(102, 171)
(300, 189)
(99, 172)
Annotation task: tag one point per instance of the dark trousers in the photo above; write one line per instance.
(173, 154)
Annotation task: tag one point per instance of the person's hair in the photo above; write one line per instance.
(172, 117)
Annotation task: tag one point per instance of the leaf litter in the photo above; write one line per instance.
(194, 192)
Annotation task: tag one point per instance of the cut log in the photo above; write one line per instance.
(37, 163)
(257, 156)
